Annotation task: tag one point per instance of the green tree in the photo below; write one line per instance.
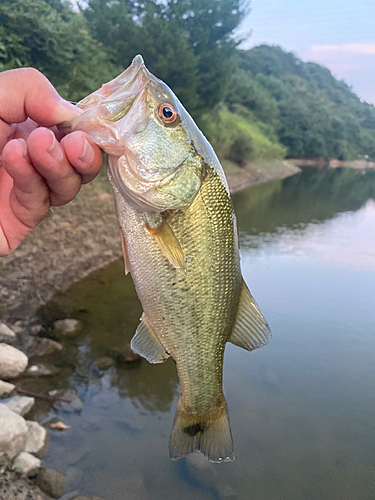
(186, 43)
(317, 114)
(54, 40)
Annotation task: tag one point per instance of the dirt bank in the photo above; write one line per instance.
(78, 238)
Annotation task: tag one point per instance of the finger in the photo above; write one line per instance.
(83, 154)
(27, 200)
(6, 133)
(49, 159)
(26, 93)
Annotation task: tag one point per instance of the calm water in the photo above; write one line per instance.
(301, 409)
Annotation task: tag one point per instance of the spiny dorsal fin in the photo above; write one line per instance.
(146, 344)
(250, 330)
(169, 245)
(124, 252)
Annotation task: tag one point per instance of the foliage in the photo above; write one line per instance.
(187, 43)
(237, 139)
(57, 42)
(272, 102)
(312, 113)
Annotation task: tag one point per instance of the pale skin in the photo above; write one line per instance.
(39, 168)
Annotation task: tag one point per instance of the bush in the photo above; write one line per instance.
(237, 139)
(240, 150)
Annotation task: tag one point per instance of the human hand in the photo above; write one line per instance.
(36, 170)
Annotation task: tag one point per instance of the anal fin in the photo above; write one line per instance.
(251, 329)
(146, 343)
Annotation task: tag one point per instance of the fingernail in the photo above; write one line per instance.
(66, 111)
(88, 153)
(55, 149)
(24, 146)
(71, 108)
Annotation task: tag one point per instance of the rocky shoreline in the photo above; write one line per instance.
(24, 442)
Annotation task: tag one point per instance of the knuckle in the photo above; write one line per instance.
(33, 74)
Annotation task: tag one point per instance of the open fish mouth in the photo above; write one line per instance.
(114, 99)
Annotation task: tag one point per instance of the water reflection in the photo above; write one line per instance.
(301, 408)
(302, 198)
(108, 306)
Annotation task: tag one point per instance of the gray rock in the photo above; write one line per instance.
(75, 403)
(6, 388)
(22, 489)
(37, 439)
(6, 333)
(19, 404)
(35, 329)
(12, 362)
(43, 346)
(18, 327)
(42, 370)
(13, 432)
(128, 356)
(51, 482)
(104, 362)
(27, 463)
(67, 327)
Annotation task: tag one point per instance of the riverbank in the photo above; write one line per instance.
(81, 237)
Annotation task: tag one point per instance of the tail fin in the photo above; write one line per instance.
(210, 434)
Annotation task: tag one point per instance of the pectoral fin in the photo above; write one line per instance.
(146, 344)
(168, 244)
(250, 330)
(124, 252)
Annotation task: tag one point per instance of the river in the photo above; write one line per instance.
(301, 408)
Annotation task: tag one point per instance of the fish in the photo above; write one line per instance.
(180, 244)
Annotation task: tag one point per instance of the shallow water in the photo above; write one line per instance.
(301, 409)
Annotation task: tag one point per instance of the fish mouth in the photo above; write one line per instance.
(114, 99)
(116, 88)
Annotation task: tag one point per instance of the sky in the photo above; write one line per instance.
(338, 34)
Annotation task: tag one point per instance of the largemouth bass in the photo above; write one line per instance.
(180, 245)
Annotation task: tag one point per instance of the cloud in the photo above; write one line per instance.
(352, 49)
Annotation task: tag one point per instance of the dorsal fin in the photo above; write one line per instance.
(250, 330)
(146, 344)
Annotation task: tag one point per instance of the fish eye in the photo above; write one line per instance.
(167, 113)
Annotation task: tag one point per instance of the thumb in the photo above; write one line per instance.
(26, 93)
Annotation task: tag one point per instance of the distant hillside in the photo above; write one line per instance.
(309, 111)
